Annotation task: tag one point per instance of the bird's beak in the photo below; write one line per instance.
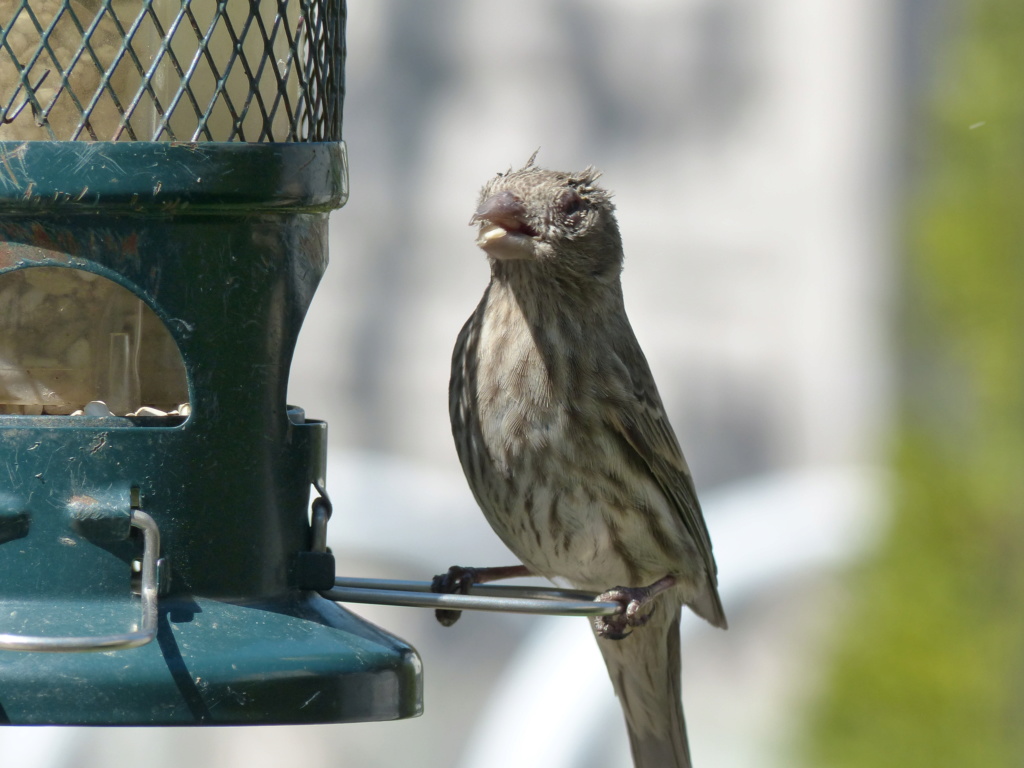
(502, 208)
(503, 225)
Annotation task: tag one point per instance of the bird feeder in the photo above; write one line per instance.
(166, 172)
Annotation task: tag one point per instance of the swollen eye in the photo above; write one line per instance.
(571, 205)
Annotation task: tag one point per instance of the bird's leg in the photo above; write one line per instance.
(458, 580)
(632, 600)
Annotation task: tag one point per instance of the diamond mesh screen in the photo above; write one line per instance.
(185, 70)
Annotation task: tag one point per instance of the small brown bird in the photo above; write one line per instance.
(566, 445)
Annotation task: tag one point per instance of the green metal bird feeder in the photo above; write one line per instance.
(166, 172)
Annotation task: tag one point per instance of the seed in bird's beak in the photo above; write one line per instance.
(489, 233)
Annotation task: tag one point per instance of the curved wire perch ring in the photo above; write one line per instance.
(141, 634)
(510, 599)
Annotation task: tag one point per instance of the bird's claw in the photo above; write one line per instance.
(619, 625)
(455, 581)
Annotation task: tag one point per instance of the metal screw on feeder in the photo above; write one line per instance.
(166, 171)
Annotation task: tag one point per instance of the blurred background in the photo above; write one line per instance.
(819, 203)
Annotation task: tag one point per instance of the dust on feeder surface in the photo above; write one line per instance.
(70, 338)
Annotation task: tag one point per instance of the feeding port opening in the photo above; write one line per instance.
(74, 343)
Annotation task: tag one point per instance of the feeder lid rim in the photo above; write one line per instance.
(171, 177)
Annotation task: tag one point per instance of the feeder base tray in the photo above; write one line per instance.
(301, 659)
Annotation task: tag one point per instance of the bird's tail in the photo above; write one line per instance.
(645, 671)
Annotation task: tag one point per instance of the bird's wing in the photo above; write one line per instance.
(640, 418)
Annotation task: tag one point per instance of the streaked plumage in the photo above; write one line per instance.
(564, 439)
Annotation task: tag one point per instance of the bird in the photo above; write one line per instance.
(566, 445)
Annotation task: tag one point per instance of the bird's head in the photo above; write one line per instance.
(562, 220)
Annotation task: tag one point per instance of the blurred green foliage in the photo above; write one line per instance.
(929, 668)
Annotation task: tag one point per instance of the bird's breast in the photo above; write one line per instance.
(561, 495)
(524, 412)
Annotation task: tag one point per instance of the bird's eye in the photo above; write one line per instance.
(570, 205)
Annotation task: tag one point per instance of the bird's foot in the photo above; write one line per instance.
(634, 601)
(455, 581)
(458, 580)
